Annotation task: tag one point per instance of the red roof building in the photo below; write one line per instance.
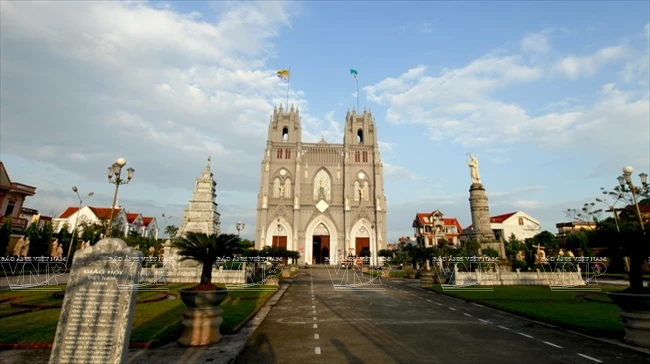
(432, 227)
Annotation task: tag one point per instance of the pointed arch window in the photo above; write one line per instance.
(287, 188)
(276, 188)
(366, 190)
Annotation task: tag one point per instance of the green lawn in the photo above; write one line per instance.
(157, 322)
(589, 312)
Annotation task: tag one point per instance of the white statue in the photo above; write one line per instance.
(541, 254)
(561, 253)
(265, 201)
(19, 246)
(25, 248)
(347, 202)
(296, 202)
(473, 168)
(59, 251)
(282, 187)
(520, 256)
(361, 192)
(54, 249)
(571, 254)
(152, 250)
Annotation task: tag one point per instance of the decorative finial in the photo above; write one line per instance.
(322, 137)
(291, 107)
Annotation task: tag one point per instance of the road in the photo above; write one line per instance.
(314, 323)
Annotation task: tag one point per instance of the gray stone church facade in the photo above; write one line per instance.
(323, 200)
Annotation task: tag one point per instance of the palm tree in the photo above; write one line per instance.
(207, 249)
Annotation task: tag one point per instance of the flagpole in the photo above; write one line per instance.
(357, 78)
(288, 86)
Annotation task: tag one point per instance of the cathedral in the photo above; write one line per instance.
(324, 200)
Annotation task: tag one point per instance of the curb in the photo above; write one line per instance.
(604, 340)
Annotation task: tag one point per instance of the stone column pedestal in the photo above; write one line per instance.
(201, 326)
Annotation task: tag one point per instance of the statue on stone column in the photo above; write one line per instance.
(282, 187)
(473, 168)
(296, 202)
(347, 202)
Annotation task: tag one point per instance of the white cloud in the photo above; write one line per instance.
(459, 106)
(398, 173)
(536, 43)
(426, 27)
(156, 86)
(527, 204)
(575, 67)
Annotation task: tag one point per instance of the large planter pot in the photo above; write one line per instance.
(426, 279)
(635, 313)
(202, 317)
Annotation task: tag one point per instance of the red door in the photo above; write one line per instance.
(362, 244)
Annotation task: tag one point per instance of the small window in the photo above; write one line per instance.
(521, 221)
(10, 208)
(287, 154)
(285, 134)
(279, 154)
(365, 157)
(360, 136)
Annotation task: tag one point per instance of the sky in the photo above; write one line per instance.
(552, 97)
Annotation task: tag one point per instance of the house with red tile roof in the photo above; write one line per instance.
(431, 227)
(128, 222)
(519, 223)
(12, 197)
(90, 215)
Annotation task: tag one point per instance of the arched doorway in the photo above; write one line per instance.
(320, 244)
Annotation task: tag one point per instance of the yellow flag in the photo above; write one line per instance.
(283, 74)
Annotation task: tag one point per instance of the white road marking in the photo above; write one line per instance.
(313, 306)
(590, 358)
(316, 336)
(317, 350)
(428, 300)
(314, 311)
(522, 334)
(451, 308)
(315, 326)
(556, 346)
(438, 303)
(486, 321)
(466, 314)
(315, 319)
(502, 327)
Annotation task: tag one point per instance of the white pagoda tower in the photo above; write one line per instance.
(202, 215)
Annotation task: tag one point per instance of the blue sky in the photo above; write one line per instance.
(552, 97)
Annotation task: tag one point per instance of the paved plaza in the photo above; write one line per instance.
(314, 323)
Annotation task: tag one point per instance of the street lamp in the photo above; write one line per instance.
(626, 178)
(239, 226)
(76, 221)
(115, 177)
(612, 208)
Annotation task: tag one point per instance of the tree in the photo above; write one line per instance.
(5, 235)
(548, 240)
(490, 252)
(206, 249)
(171, 230)
(578, 239)
(513, 246)
(39, 238)
(588, 213)
(386, 253)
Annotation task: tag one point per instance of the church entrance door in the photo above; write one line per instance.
(321, 245)
(362, 244)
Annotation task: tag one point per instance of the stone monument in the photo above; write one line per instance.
(98, 306)
(480, 210)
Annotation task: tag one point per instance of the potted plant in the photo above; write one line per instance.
(202, 318)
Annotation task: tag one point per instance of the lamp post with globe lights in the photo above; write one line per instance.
(115, 177)
(76, 221)
(239, 226)
(626, 179)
